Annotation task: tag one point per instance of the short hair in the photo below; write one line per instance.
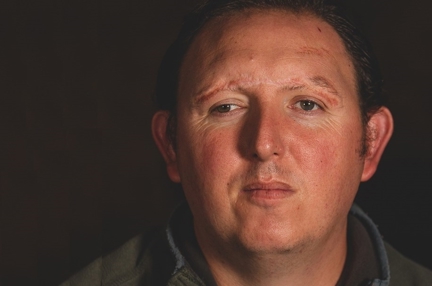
(366, 67)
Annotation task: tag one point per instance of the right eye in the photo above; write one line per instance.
(225, 108)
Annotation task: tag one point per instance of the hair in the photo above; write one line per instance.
(367, 71)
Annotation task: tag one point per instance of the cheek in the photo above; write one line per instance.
(208, 166)
(314, 157)
(329, 155)
(207, 157)
(219, 152)
(328, 175)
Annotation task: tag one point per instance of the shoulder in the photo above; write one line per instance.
(404, 271)
(130, 264)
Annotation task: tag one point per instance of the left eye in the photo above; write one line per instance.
(307, 105)
(224, 108)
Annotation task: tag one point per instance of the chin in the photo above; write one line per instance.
(272, 241)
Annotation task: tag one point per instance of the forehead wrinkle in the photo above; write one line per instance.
(307, 50)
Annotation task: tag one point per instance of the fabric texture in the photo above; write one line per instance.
(172, 257)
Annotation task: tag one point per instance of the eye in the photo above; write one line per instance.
(307, 105)
(224, 108)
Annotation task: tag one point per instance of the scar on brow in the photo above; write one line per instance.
(206, 94)
(324, 83)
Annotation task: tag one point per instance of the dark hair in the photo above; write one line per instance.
(368, 75)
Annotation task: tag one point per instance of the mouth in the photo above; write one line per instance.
(267, 194)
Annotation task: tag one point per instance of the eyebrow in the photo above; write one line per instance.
(322, 82)
(316, 81)
(205, 95)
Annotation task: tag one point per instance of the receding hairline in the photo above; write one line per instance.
(213, 21)
(252, 11)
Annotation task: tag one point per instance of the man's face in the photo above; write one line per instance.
(269, 132)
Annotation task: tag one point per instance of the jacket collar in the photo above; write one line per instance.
(182, 272)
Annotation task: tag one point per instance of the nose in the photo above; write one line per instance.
(265, 135)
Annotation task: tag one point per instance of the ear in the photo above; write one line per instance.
(163, 142)
(379, 130)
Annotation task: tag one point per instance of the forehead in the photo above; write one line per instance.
(260, 45)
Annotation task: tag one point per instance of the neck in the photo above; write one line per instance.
(312, 264)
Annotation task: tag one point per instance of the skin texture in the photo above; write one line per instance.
(268, 140)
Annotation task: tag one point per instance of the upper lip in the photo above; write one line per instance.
(275, 185)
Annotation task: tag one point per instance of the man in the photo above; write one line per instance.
(270, 117)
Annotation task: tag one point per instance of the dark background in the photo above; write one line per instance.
(79, 173)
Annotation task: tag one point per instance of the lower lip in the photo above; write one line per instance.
(267, 198)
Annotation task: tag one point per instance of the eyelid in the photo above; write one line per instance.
(321, 102)
(319, 105)
(237, 107)
(213, 109)
(240, 103)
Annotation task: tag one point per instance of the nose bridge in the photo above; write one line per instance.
(266, 141)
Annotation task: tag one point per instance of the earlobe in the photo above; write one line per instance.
(380, 129)
(159, 126)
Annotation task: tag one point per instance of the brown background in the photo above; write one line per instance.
(79, 173)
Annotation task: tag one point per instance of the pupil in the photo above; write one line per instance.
(307, 105)
(224, 108)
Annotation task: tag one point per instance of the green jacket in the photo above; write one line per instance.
(154, 258)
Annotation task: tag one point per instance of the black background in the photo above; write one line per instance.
(79, 173)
